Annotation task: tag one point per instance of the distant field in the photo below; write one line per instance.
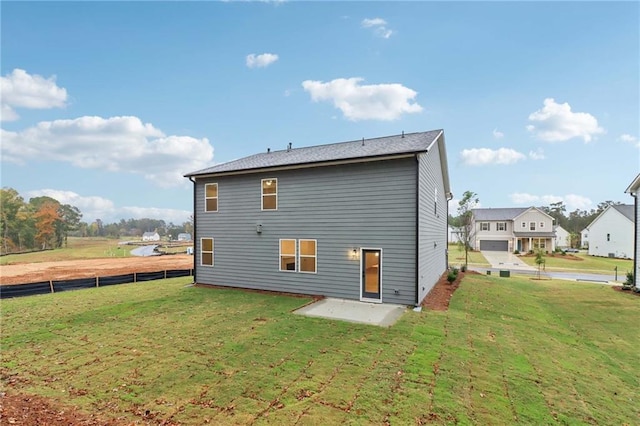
(77, 248)
(508, 351)
(85, 248)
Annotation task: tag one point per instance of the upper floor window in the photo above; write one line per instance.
(524, 224)
(484, 226)
(501, 226)
(541, 224)
(532, 226)
(288, 255)
(308, 256)
(211, 197)
(269, 194)
(608, 237)
(206, 251)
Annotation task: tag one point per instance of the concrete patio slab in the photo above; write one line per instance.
(380, 314)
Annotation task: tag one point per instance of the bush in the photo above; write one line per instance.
(628, 284)
(451, 277)
(516, 251)
(463, 268)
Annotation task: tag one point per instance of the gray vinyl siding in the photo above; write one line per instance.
(366, 205)
(432, 225)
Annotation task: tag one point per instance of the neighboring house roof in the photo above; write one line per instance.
(624, 209)
(498, 214)
(634, 187)
(364, 149)
(534, 234)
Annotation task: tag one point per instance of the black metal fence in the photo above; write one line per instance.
(53, 286)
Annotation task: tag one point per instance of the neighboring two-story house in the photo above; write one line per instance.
(363, 220)
(611, 232)
(511, 229)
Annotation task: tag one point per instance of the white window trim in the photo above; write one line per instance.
(534, 226)
(213, 247)
(524, 224)
(300, 256)
(541, 224)
(482, 226)
(295, 254)
(211, 198)
(504, 224)
(262, 195)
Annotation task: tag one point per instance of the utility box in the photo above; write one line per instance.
(505, 274)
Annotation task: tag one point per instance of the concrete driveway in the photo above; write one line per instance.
(380, 314)
(506, 260)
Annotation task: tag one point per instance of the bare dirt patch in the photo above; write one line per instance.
(23, 273)
(440, 295)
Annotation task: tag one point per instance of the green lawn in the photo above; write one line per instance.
(456, 257)
(585, 263)
(508, 351)
(77, 248)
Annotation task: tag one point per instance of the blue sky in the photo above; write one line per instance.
(106, 105)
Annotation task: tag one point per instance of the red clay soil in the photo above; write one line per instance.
(23, 273)
(440, 295)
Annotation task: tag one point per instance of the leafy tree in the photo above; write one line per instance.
(465, 217)
(10, 203)
(46, 218)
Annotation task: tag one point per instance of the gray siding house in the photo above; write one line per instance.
(633, 189)
(363, 220)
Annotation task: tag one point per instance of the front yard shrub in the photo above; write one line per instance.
(451, 277)
(628, 284)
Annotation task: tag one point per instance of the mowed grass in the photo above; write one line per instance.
(508, 351)
(456, 256)
(586, 263)
(77, 248)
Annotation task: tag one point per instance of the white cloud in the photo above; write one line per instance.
(571, 201)
(378, 25)
(497, 134)
(22, 90)
(538, 154)
(117, 144)
(484, 156)
(261, 61)
(95, 207)
(630, 139)
(364, 102)
(557, 123)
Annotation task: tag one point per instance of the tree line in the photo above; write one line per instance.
(44, 223)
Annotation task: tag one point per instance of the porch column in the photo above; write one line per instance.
(530, 245)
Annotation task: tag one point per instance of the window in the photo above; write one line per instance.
(608, 237)
(288, 255)
(206, 251)
(308, 256)
(501, 226)
(211, 197)
(484, 226)
(524, 224)
(541, 224)
(532, 226)
(539, 243)
(269, 194)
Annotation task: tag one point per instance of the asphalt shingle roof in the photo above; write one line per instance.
(389, 145)
(626, 210)
(507, 213)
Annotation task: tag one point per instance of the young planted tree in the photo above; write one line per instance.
(465, 222)
(540, 260)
